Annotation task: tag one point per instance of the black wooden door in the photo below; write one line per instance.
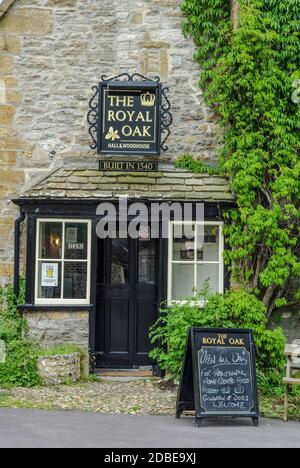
(127, 301)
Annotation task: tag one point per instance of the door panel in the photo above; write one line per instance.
(119, 326)
(120, 261)
(127, 302)
(146, 316)
(147, 263)
(146, 296)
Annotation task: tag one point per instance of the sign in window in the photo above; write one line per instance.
(63, 262)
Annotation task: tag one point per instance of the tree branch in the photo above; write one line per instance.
(268, 297)
(268, 195)
(235, 9)
(279, 295)
(260, 263)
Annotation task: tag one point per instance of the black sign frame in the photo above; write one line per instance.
(132, 83)
(189, 393)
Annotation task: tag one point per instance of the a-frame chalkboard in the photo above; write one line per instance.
(219, 375)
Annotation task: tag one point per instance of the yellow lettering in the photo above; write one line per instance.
(121, 116)
(127, 131)
(130, 101)
(121, 101)
(148, 118)
(111, 116)
(112, 99)
(237, 341)
(137, 132)
(130, 115)
(141, 117)
(220, 341)
(146, 131)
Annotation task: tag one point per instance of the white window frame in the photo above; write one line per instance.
(62, 261)
(194, 262)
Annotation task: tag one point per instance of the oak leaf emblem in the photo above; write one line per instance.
(112, 134)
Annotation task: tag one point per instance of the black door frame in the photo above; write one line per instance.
(134, 294)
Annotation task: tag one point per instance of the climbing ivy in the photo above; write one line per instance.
(248, 77)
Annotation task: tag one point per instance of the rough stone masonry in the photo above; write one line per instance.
(57, 370)
(52, 52)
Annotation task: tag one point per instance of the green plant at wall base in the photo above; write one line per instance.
(235, 309)
(61, 350)
(248, 77)
(12, 326)
(20, 367)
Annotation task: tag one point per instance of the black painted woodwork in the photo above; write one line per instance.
(86, 209)
(219, 375)
(126, 310)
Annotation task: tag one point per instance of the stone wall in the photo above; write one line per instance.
(52, 52)
(58, 370)
(290, 323)
(4, 6)
(56, 328)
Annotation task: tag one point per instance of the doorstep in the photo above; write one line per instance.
(141, 372)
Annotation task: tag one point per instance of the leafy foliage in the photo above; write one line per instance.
(61, 350)
(12, 326)
(248, 77)
(235, 309)
(20, 367)
(196, 165)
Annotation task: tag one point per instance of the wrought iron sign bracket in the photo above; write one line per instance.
(164, 118)
(93, 117)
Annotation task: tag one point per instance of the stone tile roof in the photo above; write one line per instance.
(168, 184)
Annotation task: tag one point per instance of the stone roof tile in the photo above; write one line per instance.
(167, 184)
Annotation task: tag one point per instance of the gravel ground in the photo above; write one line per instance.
(149, 397)
(121, 396)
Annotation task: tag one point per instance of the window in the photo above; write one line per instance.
(195, 256)
(63, 262)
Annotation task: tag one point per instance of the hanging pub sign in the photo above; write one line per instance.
(219, 375)
(129, 115)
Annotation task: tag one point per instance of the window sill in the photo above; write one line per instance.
(199, 304)
(55, 308)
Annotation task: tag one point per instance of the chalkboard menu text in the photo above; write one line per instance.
(219, 375)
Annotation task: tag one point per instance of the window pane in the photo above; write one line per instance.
(120, 261)
(49, 280)
(184, 243)
(50, 240)
(147, 262)
(75, 280)
(210, 273)
(209, 250)
(183, 281)
(76, 239)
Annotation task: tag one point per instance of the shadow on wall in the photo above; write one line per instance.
(290, 323)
